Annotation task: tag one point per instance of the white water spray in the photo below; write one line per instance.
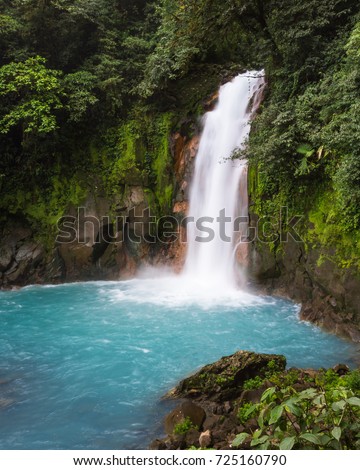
(219, 187)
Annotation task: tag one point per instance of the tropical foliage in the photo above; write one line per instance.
(325, 415)
(71, 71)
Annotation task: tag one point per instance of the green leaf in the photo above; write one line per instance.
(338, 405)
(294, 399)
(354, 401)
(313, 438)
(268, 393)
(250, 410)
(336, 432)
(294, 409)
(305, 149)
(264, 446)
(276, 414)
(287, 443)
(334, 444)
(257, 434)
(319, 400)
(260, 440)
(261, 418)
(240, 438)
(308, 393)
(325, 439)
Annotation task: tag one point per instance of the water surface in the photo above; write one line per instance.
(83, 366)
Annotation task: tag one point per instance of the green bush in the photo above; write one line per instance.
(184, 426)
(247, 411)
(352, 381)
(251, 384)
(311, 419)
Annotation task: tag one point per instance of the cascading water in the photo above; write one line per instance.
(218, 193)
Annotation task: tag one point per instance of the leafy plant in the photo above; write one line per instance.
(290, 377)
(351, 381)
(272, 366)
(32, 94)
(247, 411)
(311, 419)
(79, 87)
(253, 383)
(184, 426)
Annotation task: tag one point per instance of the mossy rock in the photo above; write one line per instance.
(225, 378)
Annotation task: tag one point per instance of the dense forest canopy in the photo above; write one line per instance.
(73, 70)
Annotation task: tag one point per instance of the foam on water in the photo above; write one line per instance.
(178, 291)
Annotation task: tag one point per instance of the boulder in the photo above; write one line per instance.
(341, 369)
(223, 380)
(187, 409)
(192, 438)
(205, 439)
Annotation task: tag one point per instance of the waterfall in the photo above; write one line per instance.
(218, 193)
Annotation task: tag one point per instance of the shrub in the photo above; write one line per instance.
(247, 411)
(184, 426)
(254, 383)
(311, 419)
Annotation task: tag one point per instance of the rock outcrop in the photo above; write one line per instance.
(222, 380)
(211, 396)
(230, 391)
(330, 296)
(92, 243)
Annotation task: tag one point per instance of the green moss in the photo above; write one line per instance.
(227, 380)
(124, 152)
(44, 207)
(321, 228)
(338, 244)
(162, 161)
(164, 197)
(138, 153)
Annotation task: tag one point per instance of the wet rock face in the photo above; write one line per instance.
(185, 150)
(6, 256)
(20, 255)
(330, 296)
(184, 147)
(99, 245)
(106, 246)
